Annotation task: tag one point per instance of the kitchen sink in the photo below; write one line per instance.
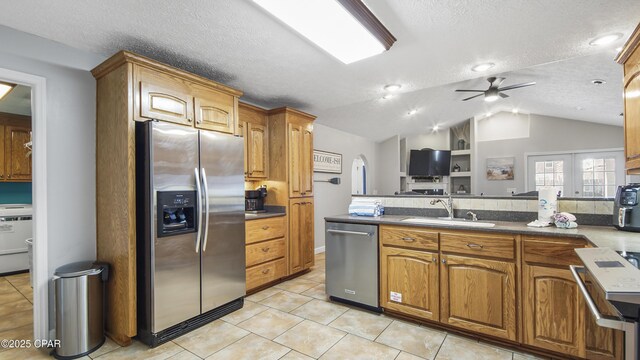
(448, 222)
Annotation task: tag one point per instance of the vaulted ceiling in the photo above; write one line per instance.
(237, 43)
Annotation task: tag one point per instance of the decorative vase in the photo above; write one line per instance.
(461, 143)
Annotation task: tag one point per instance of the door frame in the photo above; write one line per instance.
(40, 273)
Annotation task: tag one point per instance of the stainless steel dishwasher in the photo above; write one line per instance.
(352, 264)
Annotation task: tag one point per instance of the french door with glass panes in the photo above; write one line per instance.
(586, 174)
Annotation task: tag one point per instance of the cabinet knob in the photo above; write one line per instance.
(444, 261)
(265, 271)
(188, 120)
(265, 249)
(408, 239)
(265, 227)
(435, 260)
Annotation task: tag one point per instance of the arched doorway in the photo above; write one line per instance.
(359, 169)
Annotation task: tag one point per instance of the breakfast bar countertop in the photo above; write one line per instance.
(599, 236)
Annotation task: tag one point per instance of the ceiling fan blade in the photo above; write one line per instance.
(511, 87)
(466, 90)
(503, 95)
(474, 96)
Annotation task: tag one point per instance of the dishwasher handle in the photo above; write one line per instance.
(347, 232)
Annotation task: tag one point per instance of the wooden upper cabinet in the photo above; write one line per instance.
(554, 312)
(479, 295)
(253, 126)
(629, 57)
(257, 151)
(215, 110)
(409, 282)
(295, 165)
(17, 159)
(162, 97)
(306, 160)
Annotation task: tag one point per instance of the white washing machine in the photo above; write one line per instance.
(15, 228)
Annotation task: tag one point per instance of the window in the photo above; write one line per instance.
(588, 174)
(550, 173)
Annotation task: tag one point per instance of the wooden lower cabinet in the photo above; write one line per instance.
(553, 311)
(601, 343)
(479, 295)
(409, 282)
(265, 249)
(301, 244)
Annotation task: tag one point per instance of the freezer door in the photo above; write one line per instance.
(223, 250)
(175, 273)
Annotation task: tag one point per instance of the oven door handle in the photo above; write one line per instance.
(602, 320)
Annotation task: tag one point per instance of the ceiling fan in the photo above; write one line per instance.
(494, 92)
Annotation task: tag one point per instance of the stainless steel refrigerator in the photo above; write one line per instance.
(190, 228)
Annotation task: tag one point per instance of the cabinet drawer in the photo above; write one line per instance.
(552, 251)
(265, 273)
(264, 229)
(409, 237)
(494, 245)
(268, 250)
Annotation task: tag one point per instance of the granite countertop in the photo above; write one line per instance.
(264, 215)
(600, 236)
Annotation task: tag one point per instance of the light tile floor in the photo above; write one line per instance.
(292, 320)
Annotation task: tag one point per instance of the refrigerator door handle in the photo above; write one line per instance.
(206, 206)
(199, 225)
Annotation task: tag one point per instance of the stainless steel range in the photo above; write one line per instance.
(610, 276)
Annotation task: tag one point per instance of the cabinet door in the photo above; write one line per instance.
(163, 97)
(553, 311)
(308, 246)
(409, 282)
(3, 172)
(306, 160)
(215, 110)
(479, 295)
(257, 151)
(16, 156)
(632, 119)
(242, 132)
(295, 161)
(296, 262)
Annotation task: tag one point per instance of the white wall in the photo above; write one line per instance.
(388, 161)
(332, 199)
(71, 110)
(545, 134)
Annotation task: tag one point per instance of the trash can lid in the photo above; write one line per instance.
(81, 268)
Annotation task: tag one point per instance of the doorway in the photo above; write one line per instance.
(24, 180)
(359, 176)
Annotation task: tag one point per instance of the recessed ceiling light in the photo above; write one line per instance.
(579, 108)
(345, 29)
(598, 82)
(489, 114)
(483, 67)
(618, 49)
(412, 112)
(436, 127)
(387, 96)
(392, 87)
(605, 39)
(5, 88)
(515, 110)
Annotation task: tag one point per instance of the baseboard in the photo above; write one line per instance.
(319, 250)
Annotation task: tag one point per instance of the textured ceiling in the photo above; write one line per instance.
(18, 101)
(237, 43)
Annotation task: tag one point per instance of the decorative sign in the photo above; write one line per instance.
(327, 162)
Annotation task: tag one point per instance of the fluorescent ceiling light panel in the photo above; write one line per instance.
(5, 88)
(329, 25)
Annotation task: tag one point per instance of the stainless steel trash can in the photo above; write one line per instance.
(79, 303)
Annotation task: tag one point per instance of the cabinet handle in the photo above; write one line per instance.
(265, 249)
(265, 271)
(265, 227)
(408, 239)
(444, 261)
(435, 260)
(189, 120)
(474, 246)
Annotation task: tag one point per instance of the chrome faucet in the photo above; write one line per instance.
(448, 205)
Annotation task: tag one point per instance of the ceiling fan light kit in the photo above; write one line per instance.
(483, 67)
